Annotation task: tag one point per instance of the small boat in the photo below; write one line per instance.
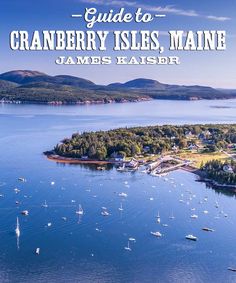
(191, 237)
(172, 216)
(156, 234)
(132, 239)
(158, 218)
(205, 211)
(121, 207)
(45, 204)
(121, 168)
(21, 179)
(52, 183)
(49, 224)
(165, 225)
(25, 212)
(17, 230)
(105, 213)
(101, 168)
(64, 218)
(208, 229)
(128, 248)
(123, 195)
(80, 211)
(37, 251)
(16, 190)
(194, 216)
(232, 269)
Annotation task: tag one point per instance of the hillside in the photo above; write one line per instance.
(36, 87)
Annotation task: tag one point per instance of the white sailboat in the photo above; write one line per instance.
(80, 211)
(194, 216)
(45, 204)
(156, 234)
(172, 216)
(128, 248)
(105, 212)
(191, 237)
(17, 230)
(121, 207)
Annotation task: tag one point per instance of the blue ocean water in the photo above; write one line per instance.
(90, 248)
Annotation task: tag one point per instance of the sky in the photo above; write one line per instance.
(216, 69)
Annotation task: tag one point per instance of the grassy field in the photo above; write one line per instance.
(198, 158)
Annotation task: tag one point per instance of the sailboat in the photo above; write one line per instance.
(45, 204)
(158, 218)
(80, 211)
(128, 248)
(172, 216)
(17, 230)
(121, 207)
(105, 212)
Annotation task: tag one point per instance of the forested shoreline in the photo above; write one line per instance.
(129, 142)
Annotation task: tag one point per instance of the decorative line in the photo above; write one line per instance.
(76, 16)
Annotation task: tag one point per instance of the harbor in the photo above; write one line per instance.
(85, 223)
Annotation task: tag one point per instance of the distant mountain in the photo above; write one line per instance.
(22, 76)
(140, 84)
(26, 76)
(36, 87)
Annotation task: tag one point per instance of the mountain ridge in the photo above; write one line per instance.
(38, 87)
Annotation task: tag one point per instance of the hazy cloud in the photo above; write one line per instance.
(158, 9)
(221, 19)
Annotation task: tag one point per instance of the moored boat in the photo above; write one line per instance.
(25, 212)
(128, 248)
(80, 211)
(208, 229)
(17, 230)
(156, 234)
(191, 237)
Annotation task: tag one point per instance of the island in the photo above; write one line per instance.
(206, 150)
(26, 86)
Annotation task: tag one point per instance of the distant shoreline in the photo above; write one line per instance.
(99, 102)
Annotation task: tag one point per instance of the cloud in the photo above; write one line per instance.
(221, 19)
(169, 9)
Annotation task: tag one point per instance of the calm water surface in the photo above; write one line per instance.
(91, 248)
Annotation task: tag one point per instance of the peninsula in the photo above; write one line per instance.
(207, 150)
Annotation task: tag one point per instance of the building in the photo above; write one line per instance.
(133, 164)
